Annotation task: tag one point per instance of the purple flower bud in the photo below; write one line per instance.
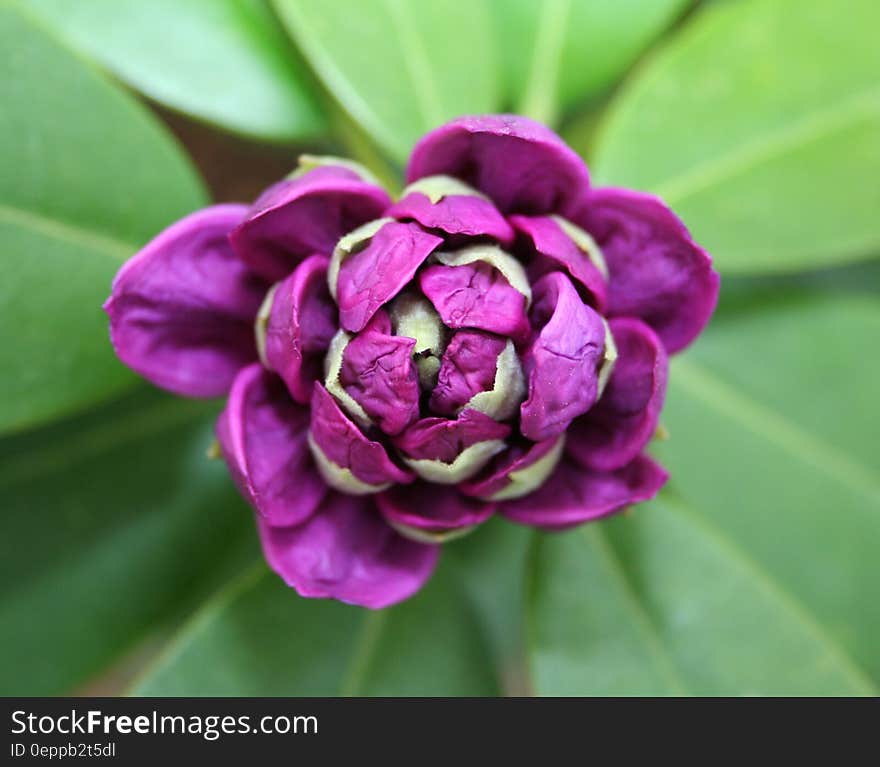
(494, 342)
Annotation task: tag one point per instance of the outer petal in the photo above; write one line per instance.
(379, 373)
(335, 439)
(371, 277)
(553, 249)
(300, 325)
(182, 310)
(522, 165)
(622, 422)
(657, 271)
(262, 434)
(572, 496)
(432, 508)
(476, 295)
(346, 551)
(562, 362)
(303, 215)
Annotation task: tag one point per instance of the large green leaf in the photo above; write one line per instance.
(557, 53)
(489, 564)
(659, 604)
(757, 571)
(87, 177)
(760, 125)
(258, 637)
(399, 67)
(223, 61)
(112, 525)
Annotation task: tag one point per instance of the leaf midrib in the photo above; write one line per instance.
(775, 428)
(64, 231)
(809, 127)
(540, 98)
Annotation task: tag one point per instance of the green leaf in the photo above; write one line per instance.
(756, 572)
(760, 125)
(489, 564)
(112, 525)
(658, 604)
(258, 637)
(399, 67)
(558, 53)
(88, 177)
(786, 394)
(222, 61)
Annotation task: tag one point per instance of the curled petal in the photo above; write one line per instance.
(301, 322)
(562, 362)
(623, 421)
(348, 461)
(182, 310)
(372, 276)
(479, 287)
(552, 247)
(346, 551)
(658, 273)
(449, 452)
(518, 471)
(572, 495)
(481, 372)
(431, 508)
(305, 214)
(454, 208)
(262, 434)
(379, 373)
(414, 316)
(522, 165)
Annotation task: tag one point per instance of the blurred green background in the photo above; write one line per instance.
(130, 563)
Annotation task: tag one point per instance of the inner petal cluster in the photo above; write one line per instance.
(449, 345)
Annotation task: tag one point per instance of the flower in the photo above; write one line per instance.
(396, 372)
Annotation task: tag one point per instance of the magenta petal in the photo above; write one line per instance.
(344, 444)
(522, 165)
(657, 271)
(515, 459)
(346, 551)
(476, 295)
(625, 418)
(572, 495)
(308, 214)
(374, 275)
(467, 368)
(440, 439)
(379, 373)
(554, 249)
(561, 362)
(182, 310)
(301, 324)
(262, 434)
(431, 507)
(456, 214)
